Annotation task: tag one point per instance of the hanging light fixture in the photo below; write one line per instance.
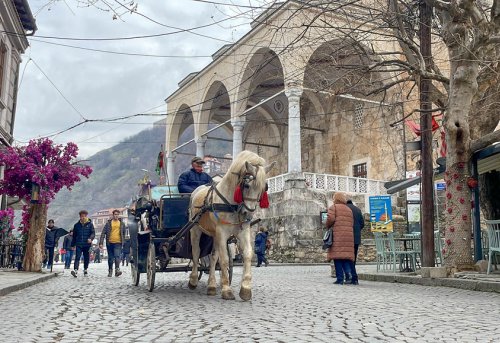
(35, 193)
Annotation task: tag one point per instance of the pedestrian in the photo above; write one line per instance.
(260, 246)
(359, 224)
(97, 254)
(341, 221)
(126, 252)
(50, 243)
(69, 251)
(83, 234)
(114, 231)
(62, 253)
(194, 177)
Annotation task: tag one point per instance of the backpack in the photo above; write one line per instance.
(268, 244)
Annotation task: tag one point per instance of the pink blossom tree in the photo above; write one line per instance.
(51, 167)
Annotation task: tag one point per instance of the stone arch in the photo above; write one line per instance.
(262, 67)
(181, 120)
(339, 67)
(216, 106)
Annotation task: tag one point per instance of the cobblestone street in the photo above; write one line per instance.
(290, 304)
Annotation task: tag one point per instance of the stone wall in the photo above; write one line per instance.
(295, 230)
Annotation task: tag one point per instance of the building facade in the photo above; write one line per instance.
(16, 22)
(302, 94)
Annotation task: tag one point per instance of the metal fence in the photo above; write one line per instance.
(11, 253)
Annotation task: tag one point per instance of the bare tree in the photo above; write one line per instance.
(465, 73)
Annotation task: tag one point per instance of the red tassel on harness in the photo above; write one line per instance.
(264, 200)
(238, 195)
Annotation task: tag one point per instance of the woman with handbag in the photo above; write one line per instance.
(340, 219)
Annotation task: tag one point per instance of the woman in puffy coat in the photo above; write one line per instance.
(340, 219)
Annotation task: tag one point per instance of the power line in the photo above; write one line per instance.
(57, 89)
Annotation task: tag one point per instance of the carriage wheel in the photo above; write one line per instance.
(135, 272)
(151, 266)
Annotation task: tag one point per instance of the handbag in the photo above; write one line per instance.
(327, 239)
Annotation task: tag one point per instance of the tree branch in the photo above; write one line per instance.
(485, 141)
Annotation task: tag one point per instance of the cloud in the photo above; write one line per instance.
(102, 85)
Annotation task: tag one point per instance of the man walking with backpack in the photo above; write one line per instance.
(83, 234)
(114, 231)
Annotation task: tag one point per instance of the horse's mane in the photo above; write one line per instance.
(238, 169)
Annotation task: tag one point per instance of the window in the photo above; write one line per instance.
(3, 64)
(360, 170)
(358, 115)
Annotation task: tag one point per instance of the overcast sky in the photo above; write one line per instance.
(100, 85)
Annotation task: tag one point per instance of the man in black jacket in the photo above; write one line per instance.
(194, 177)
(359, 224)
(83, 234)
(50, 243)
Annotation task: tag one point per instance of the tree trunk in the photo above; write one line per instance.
(36, 238)
(457, 249)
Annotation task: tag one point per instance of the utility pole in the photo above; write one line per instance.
(427, 177)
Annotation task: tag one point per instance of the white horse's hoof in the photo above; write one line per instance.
(245, 294)
(228, 295)
(191, 286)
(211, 291)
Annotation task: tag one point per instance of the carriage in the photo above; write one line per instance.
(159, 229)
(166, 229)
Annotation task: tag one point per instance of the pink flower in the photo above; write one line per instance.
(448, 242)
(452, 229)
(462, 200)
(449, 210)
(448, 195)
(464, 217)
(461, 164)
(443, 251)
(455, 176)
(459, 188)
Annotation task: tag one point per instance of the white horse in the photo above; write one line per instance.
(248, 172)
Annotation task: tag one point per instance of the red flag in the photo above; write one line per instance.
(415, 128)
(159, 163)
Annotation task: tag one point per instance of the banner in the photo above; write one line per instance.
(381, 213)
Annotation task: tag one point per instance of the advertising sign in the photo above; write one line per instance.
(381, 213)
(413, 203)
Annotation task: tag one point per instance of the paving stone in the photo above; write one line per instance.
(290, 304)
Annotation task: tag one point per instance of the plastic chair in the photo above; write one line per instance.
(380, 245)
(494, 241)
(438, 247)
(396, 251)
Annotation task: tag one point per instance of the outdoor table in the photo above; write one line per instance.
(405, 240)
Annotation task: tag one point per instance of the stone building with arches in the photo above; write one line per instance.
(305, 96)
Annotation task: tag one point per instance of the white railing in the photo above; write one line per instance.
(330, 182)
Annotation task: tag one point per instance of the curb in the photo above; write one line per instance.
(26, 284)
(471, 285)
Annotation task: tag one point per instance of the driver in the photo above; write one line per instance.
(194, 177)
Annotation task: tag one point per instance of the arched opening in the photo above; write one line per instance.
(338, 97)
(266, 125)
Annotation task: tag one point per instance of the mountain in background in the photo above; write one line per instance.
(117, 171)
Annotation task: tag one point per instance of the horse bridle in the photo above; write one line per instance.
(244, 183)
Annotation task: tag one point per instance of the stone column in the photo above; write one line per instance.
(172, 179)
(293, 94)
(238, 126)
(200, 146)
